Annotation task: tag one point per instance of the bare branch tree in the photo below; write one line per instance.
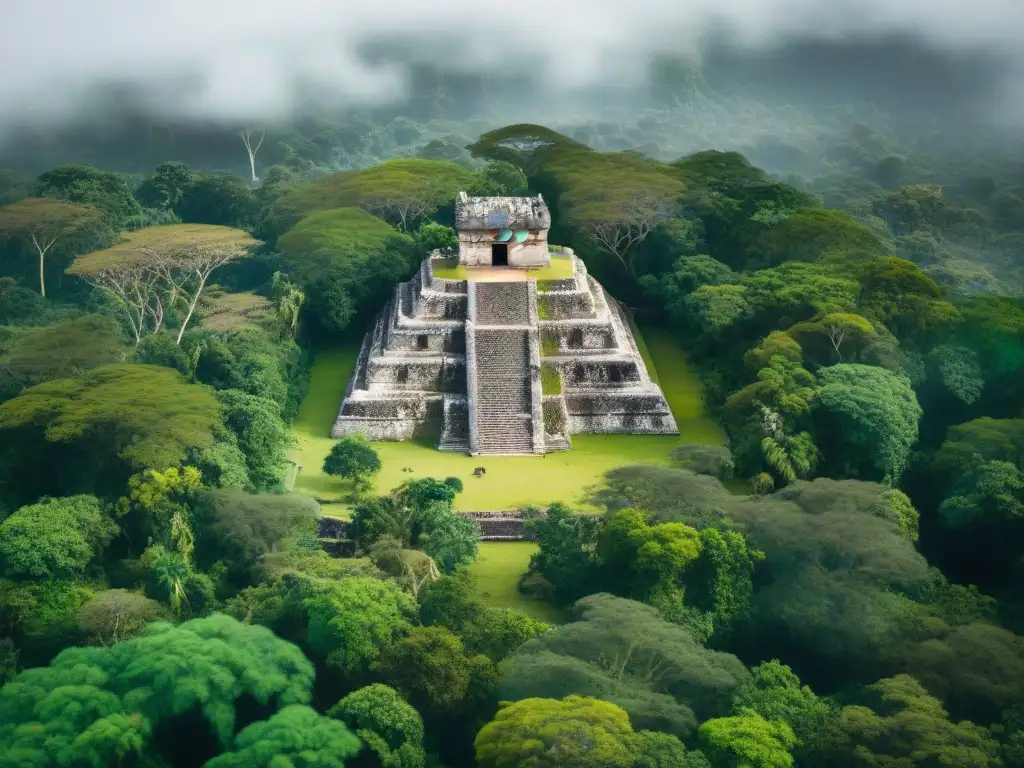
(156, 269)
(42, 221)
(246, 135)
(133, 286)
(618, 226)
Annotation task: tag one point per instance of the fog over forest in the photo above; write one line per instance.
(107, 67)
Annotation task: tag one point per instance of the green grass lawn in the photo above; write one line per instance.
(510, 481)
(449, 269)
(668, 366)
(311, 430)
(497, 568)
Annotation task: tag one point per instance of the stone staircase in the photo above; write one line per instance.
(501, 399)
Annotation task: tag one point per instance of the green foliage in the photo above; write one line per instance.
(54, 539)
(901, 722)
(353, 459)
(221, 199)
(402, 192)
(262, 435)
(809, 235)
(98, 706)
(877, 413)
(548, 733)
(165, 187)
(39, 222)
(40, 617)
(450, 538)
(295, 737)
(958, 371)
(86, 185)
(430, 666)
(390, 728)
(774, 692)
(451, 602)
(352, 620)
(689, 274)
(173, 580)
(147, 415)
(747, 739)
(715, 308)
(499, 179)
(58, 351)
(833, 593)
(115, 615)
(411, 513)
(977, 670)
(622, 651)
(240, 528)
(565, 557)
(649, 556)
(432, 236)
(346, 260)
(20, 305)
(713, 460)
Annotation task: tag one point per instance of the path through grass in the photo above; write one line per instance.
(497, 568)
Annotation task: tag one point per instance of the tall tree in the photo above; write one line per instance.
(42, 221)
(247, 139)
(156, 270)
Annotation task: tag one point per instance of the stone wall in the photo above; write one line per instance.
(494, 526)
(475, 249)
(573, 337)
(428, 374)
(608, 373)
(565, 305)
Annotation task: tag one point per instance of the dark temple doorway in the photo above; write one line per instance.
(499, 255)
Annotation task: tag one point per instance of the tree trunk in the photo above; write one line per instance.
(191, 307)
(41, 249)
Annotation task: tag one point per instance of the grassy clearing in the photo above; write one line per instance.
(450, 269)
(498, 567)
(511, 481)
(681, 385)
(312, 428)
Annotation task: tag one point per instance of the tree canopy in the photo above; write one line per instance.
(147, 415)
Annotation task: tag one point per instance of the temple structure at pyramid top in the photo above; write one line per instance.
(507, 347)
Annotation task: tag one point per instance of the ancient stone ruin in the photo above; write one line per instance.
(502, 362)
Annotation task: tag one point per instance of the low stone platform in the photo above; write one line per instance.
(494, 526)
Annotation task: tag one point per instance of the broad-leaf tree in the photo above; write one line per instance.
(297, 737)
(54, 539)
(387, 725)
(548, 733)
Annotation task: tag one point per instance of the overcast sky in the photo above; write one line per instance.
(240, 59)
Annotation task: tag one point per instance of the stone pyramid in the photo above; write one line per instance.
(466, 356)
